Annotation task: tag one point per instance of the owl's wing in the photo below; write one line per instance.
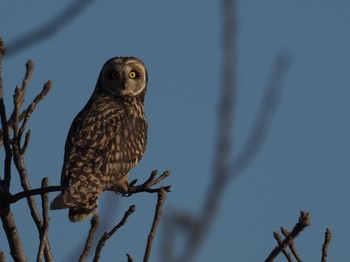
(91, 130)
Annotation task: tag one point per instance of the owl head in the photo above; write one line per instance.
(123, 77)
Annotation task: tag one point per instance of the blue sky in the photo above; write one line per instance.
(303, 164)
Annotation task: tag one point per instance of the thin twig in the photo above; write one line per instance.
(327, 241)
(291, 245)
(45, 226)
(148, 184)
(157, 215)
(6, 215)
(106, 235)
(304, 221)
(2, 257)
(49, 28)
(37, 99)
(19, 163)
(278, 238)
(95, 221)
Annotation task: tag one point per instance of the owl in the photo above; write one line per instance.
(106, 139)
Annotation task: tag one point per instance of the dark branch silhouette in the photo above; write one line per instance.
(95, 221)
(48, 29)
(327, 241)
(291, 245)
(279, 240)
(106, 235)
(157, 214)
(304, 221)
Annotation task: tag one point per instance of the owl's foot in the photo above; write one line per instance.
(148, 184)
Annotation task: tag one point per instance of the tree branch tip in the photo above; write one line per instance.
(130, 259)
(30, 65)
(2, 46)
(48, 85)
(304, 218)
(45, 182)
(132, 209)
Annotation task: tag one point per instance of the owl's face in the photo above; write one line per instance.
(123, 76)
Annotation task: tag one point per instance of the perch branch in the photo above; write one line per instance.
(148, 184)
(157, 215)
(27, 193)
(95, 221)
(327, 240)
(304, 221)
(106, 235)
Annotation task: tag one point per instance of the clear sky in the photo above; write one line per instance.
(303, 164)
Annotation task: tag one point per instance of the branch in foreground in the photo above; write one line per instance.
(6, 215)
(11, 122)
(157, 214)
(106, 235)
(45, 225)
(327, 240)
(95, 221)
(291, 245)
(279, 240)
(304, 221)
(27, 193)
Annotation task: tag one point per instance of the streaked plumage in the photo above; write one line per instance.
(106, 139)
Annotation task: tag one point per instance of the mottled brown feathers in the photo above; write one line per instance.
(106, 139)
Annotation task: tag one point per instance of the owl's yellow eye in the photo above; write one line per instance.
(132, 74)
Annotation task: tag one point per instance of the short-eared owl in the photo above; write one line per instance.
(106, 139)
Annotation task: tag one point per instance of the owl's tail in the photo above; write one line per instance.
(84, 211)
(78, 211)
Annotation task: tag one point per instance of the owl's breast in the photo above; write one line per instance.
(128, 145)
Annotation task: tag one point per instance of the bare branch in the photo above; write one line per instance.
(291, 245)
(9, 225)
(47, 87)
(6, 215)
(327, 241)
(45, 226)
(19, 160)
(106, 235)
(32, 192)
(5, 138)
(49, 28)
(264, 116)
(279, 241)
(157, 215)
(95, 221)
(304, 221)
(148, 184)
